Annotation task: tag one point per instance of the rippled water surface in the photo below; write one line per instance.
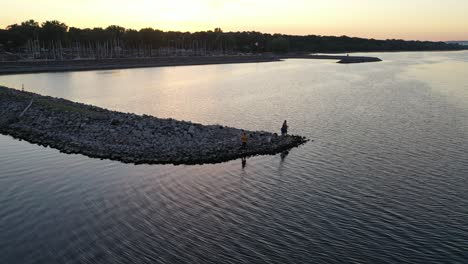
(385, 180)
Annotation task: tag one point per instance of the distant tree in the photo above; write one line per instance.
(75, 34)
(131, 38)
(18, 35)
(115, 32)
(4, 38)
(30, 28)
(53, 30)
(98, 34)
(280, 45)
(151, 37)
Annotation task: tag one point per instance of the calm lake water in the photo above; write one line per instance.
(385, 180)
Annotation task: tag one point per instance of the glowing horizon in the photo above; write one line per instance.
(418, 20)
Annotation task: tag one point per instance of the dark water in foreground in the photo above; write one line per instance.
(384, 182)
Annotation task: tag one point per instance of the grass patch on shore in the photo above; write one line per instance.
(53, 104)
(60, 106)
(20, 96)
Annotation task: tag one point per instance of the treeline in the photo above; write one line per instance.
(57, 39)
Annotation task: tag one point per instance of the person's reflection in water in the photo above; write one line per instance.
(244, 162)
(283, 155)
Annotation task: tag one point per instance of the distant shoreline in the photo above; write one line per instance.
(23, 67)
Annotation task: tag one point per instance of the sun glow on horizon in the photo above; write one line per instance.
(418, 19)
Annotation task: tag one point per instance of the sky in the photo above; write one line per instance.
(438, 20)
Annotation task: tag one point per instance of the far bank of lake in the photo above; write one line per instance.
(39, 66)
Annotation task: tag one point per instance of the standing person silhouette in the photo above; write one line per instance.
(244, 139)
(284, 128)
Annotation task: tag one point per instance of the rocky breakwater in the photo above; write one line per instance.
(95, 132)
(343, 59)
(358, 59)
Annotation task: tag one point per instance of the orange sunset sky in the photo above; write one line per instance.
(381, 19)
